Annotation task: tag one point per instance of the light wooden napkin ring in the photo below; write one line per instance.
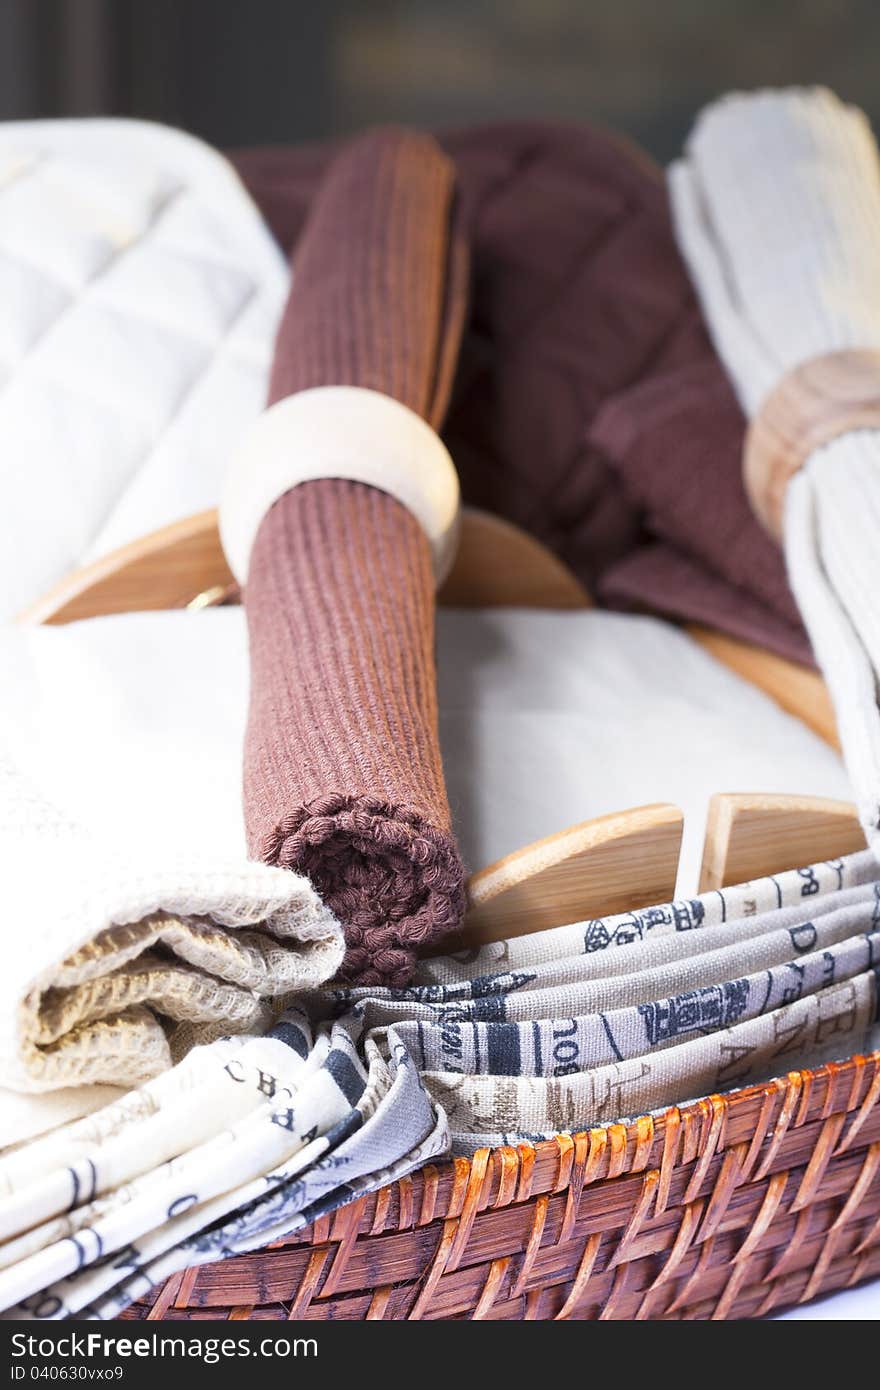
(816, 402)
(340, 432)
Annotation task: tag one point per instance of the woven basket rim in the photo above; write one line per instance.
(616, 1148)
(691, 1175)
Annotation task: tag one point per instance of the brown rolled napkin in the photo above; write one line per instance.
(589, 405)
(342, 773)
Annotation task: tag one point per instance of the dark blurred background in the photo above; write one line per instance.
(241, 72)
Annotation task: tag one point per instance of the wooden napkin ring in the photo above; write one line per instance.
(816, 402)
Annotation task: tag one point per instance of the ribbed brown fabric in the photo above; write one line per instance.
(342, 773)
(589, 405)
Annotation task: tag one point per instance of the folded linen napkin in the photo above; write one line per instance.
(342, 773)
(325, 1113)
(114, 949)
(355, 1087)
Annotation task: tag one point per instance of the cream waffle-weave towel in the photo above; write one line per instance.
(115, 961)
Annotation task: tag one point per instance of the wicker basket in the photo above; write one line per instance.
(732, 1206)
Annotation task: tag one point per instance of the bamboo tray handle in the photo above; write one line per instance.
(612, 864)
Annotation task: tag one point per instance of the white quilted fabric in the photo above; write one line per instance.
(139, 297)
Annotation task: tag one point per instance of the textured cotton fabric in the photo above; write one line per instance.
(775, 301)
(116, 959)
(588, 405)
(342, 773)
(561, 1030)
(141, 291)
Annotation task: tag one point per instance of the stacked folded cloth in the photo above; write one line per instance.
(249, 1139)
(339, 516)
